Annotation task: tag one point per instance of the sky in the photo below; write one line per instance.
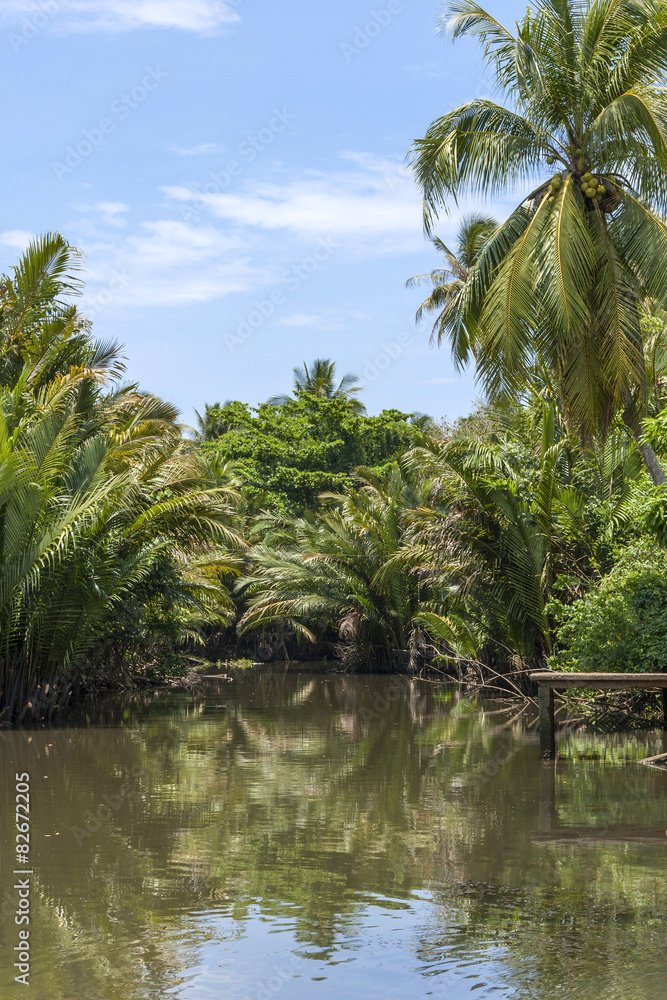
(234, 173)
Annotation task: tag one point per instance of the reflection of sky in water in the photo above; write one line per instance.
(376, 958)
(303, 843)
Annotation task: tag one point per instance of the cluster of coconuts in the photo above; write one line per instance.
(591, 186)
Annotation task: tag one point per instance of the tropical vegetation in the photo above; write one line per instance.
(112, 540)
(292, 448)
(559, 291)
(532, 532)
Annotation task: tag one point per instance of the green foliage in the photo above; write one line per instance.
(449, 283)
(621, 623)
(111, 541)
(344, 567)
(656, 516)
(562, 282)
(501, 525)
(456, 550)
(288, 454)
(320, 380)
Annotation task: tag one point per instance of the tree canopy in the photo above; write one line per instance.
(562, 282)
(288, 454)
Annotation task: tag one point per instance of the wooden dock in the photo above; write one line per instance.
(549, 681)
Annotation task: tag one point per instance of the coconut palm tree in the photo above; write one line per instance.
(449, 282)
(320, 380)
(563, 280)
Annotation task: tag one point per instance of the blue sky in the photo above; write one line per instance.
(234, 173)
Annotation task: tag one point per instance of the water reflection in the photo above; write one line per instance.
(322, 837)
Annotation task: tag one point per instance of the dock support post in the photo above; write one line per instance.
(548, 814)
(547, 731)
(664, 708)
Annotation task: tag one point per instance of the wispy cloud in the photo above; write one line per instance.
(200, 149)
(374, 201)
(110, 212)
(367, 204)
(68, 16)
(299, 319)
(333, 319)
(15, 239)
(169, 263)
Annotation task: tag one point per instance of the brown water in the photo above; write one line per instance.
(315, 839)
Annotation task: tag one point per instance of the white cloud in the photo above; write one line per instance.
(113, 212)
(165, 263)
(375, 202)
(15, 239)
(200, 149)
(368, 205)
(110, 212)
(122, 15)
(300, 319)
(334, 319)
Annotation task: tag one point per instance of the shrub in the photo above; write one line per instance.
(621, 623)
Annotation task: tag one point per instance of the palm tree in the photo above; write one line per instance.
(494, 548)
(338, 567)
(563, 281)
(109, 531)
(449, 282)
(213, 424)
(320, 380)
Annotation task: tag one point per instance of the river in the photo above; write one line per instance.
(312, 836)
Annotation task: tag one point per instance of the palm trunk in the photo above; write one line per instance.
(651, 460)
(652, 464)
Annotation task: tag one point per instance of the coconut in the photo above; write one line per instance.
(601, 189)
(550, 159)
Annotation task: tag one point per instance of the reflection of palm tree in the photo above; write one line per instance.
(450, 281)
(320, 380)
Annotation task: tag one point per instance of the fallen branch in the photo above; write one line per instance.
(652, 761)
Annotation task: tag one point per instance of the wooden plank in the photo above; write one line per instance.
(547, 730)
(610, 682)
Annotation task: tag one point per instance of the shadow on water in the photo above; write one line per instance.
(334, 836)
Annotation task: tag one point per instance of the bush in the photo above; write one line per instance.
(621, 623)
